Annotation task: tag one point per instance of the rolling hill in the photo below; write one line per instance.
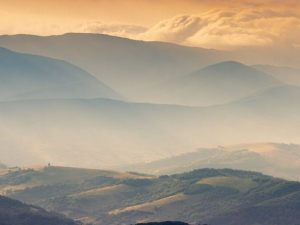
(285, 74)
(216, 84)
(209, 196)
(13, 212)
(279, 160)
(117, 133)
(123, 64)
(24, 76)
(21, 178)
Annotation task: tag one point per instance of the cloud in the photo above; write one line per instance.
(115, 29)
(177, 30)
(219, 29)
(11, 24)
(225, 29)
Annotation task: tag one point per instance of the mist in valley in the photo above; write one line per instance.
(195, 118)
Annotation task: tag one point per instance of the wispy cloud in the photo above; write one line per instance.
(116, 29)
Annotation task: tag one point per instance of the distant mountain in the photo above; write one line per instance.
(265, 100)
(206, 196)
(123, 64)
(13, 212)
(216, 84)
(118, 133)
(24, 76)
(278, 160)
(285, 74)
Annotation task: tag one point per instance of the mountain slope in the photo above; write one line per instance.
(285, 74)
(216, 84)
(209, 196)
(13, 212)
(24, 76)
(123, 64)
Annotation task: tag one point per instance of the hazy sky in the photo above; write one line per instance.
(218, 24)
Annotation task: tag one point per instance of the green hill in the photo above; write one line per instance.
(209, 196)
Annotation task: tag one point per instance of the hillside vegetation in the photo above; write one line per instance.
(209, 196)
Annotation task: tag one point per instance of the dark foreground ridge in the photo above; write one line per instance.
(164, 223)
(13, 212)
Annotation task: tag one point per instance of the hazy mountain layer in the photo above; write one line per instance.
(99, 133)
(216, 84)
(285, 74)
(203, 196)
(278, 160)
(24, 76)
(123, 64)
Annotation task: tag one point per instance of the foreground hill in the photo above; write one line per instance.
(216, 84)
(212, 196)
(285, 74)
(24, 76)
(13, 212)
(278, 160)
(121, 63)
(118, 133)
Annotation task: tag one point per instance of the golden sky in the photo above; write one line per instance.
(210, 23)
(142, 12)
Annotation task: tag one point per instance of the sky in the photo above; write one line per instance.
(219, 24)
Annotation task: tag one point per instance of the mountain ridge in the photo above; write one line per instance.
(215, 84)
(22, 73)
(121, 63)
